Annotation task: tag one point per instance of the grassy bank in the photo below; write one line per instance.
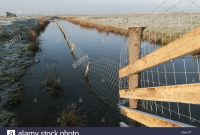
(15, 59)
(98, 27)
(160, 28)
(35, 32)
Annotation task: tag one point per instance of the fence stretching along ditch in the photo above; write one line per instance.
(187, 93)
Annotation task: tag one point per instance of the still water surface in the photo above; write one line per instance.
(40, 109)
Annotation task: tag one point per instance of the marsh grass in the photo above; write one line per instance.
(52, 83)
(43, 22)
(34, 33)
(71, 117)
(34, 47)
(98, 27)
(156, 31)
(4, 37)
(53, 87)
(15, 98)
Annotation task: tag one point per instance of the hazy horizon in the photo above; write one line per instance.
(95, 7)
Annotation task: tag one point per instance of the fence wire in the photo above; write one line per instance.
(102, 78)
(181, 71)
(163, 27)
(167, 22)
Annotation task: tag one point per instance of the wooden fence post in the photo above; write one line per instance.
(135, 35)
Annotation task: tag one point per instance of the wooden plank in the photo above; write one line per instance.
(134, 41)
(188, 44)
(149, 119)
(178, 93)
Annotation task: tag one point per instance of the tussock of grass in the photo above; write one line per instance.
(33, 47)
(53, 87)
(52, 84)
(15, 98)
(33, 35)
(70, 117)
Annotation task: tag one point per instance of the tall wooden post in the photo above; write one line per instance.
(135, 35)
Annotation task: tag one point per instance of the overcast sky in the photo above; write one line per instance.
(55, 7)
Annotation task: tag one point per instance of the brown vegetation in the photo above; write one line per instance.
(154, 32)
(98, 27)
(33, 47)
(43, 22)
(35, 32)
(71, 117)
(51, 83)
(15, 98)
(33, 35)
(53, 86)
(159, 38)
(154, 37)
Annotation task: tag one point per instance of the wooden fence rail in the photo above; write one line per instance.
(188, 44)
(149, 119)
(188, 93)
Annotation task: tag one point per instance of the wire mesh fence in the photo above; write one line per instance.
(181, 71)
(102, 78)
(164, 25)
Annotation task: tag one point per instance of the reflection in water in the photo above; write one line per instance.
(102, 84)
(103, 78)
(76, 88)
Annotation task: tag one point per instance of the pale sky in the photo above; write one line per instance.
(55, 7)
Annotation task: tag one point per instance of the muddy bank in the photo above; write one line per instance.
(18, 44)
(160, 28)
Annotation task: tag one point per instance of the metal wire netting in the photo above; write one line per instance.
(165, 24)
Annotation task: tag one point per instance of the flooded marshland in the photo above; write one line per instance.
(40, 108)
(56, 85)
